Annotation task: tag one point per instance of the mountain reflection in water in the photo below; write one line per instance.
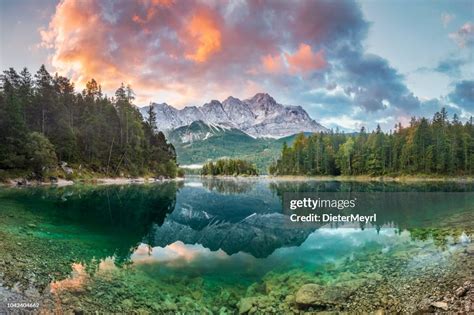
(201, 242)
(229, 215)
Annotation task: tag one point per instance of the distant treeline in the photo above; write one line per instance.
(43, 121)
(432, 147)
(230, 167)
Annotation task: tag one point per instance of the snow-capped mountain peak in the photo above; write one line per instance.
(259, 116)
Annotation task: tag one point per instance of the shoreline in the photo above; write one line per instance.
(365, 178)
(340, 178)
(15, 183)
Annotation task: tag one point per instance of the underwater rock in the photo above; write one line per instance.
(246, 304)
(341, 291)
(461, 291)
(441, 305)
(327, 295)
(309, 294)
(470, 249)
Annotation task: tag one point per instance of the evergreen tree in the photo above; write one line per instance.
(151, 120)
(429, 147)
(44, 121)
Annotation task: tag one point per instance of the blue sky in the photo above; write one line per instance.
(348, 63)
(412, 36)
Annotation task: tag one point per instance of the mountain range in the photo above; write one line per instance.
(259, 117)
(253, 129)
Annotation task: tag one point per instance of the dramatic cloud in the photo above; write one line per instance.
(305, 61)
(464, 37)
(188, 52)
(302, 62)
(273, 64)
(451, 66)
(206, 36)
(463, 95)
(375, 85)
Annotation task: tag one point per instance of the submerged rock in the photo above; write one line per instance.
(470, 249)
(246, 304)
(461, 291)
(328, 295)
(309, 294)
(440, 305)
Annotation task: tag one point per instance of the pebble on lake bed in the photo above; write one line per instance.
(441, 305)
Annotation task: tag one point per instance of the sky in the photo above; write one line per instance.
(348, 63)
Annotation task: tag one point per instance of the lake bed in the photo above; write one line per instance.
(225, 246)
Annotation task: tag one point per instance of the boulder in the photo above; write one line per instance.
(339, 292)
(246, 304)
(66, 169)
(440, 305)
(461, 291)
(309, 294)
(22, 182)
(470, 249)
(331, 294)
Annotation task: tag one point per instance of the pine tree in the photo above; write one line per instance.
(151, 120)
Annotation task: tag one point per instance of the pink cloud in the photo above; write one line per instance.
(304, 60)
(186, 52)
(464, 36)
(273, 64)
(204, 36)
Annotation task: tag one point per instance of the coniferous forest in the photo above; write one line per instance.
(433, 147)
(229, 167)
(44, 123)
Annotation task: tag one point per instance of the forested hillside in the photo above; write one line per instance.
(438, 146)
(44, 122)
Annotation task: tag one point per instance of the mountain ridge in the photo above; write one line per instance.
(260, 116)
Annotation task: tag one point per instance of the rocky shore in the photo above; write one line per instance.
(370, 285)
(375, 283)
(59, 182)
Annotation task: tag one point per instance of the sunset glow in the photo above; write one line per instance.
(330, 57)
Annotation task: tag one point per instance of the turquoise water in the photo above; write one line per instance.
(220, 245)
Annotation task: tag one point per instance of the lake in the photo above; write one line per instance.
(226, 245)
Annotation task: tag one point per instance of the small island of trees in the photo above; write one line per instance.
(229, 167)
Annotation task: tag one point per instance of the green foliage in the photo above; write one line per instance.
(181, 172)
(230, 167)
(40, 153)
(41, 114)
(439, 147)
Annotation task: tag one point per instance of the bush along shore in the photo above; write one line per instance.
(49, 131)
